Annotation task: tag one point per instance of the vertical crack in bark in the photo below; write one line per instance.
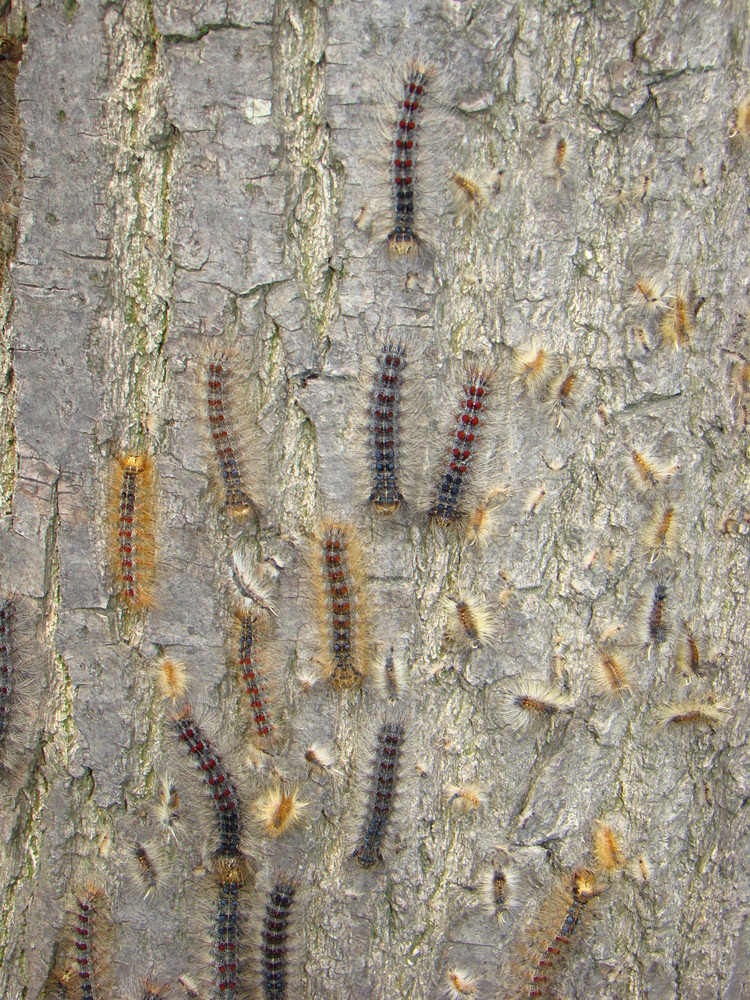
(141, 144)
(12, 36)
(314, 185)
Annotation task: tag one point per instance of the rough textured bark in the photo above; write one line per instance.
(198, 168)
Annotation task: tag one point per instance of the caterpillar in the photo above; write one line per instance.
(384, 430)
(652, 620)
(236, 478)
(276, 946)
(341, 598)
(219, 781)
(385, 765)
(248, 637)
(405, 235)
(525, 702)
(560, 917)
(451, 500)
(90, 952)
(146, 864)
(131, 521)
(228, 926)
(499, 890)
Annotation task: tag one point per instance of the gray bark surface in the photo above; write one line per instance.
(197, 168)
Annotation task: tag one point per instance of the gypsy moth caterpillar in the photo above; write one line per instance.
(406, 221)
(562, 395)
(89, 937)
(275, 972)
(166, 806)
(740, 124)
(340, 599)
(238, 463)
(464, 799)
(170, 675)
(533, 368)
(608, 851)
(384, 428)
(612, 670)
(660, 535)
(649, 293)
(146, 864)
(278, 809)
(647, 473)
(382, 774)
(558, 919)
(391, 676)
(462, 983)
(498, 887)
(131, 539)
(528, 701)
(228, 926)
(677, 322)
(705, 711)
(471, 624)
(451, 502)
(687, 654)
(218, 780)
(251, 662)
(652, 620)
(470, 194)
(558, 158)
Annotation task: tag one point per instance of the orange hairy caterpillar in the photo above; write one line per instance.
(236, 475)
(532, 369)
(470, 194)
(647, 473)
(471, 624)
(557, 159)
(385, 764)
(88, 930)
(608, 851)
(276, 947)
(170, 677)
(406, 234)
(677, 323)
(528, 701)
(278, 809)
(132, 544)
(149, 990)
(687, 654)
(341, 596)
(449, 504)
(649, 293)
(705, 711)
(462, 984)
(558, 920)
(660, 535)
(740, 126)
(611, 672)
(562, 396)
(464, 799)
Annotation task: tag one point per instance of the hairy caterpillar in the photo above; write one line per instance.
(276, 980)
(385, 767)
(131, 523)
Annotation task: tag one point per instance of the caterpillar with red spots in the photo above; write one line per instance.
(560, 918)
(237, 460)
(412, 177)
(276, 977)
(219, 781)
(131, 537)
(250, 661)
(455, 489)
(385, 775)
(229, 922)
(385, 431)
(89, 933)
(341, 597)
